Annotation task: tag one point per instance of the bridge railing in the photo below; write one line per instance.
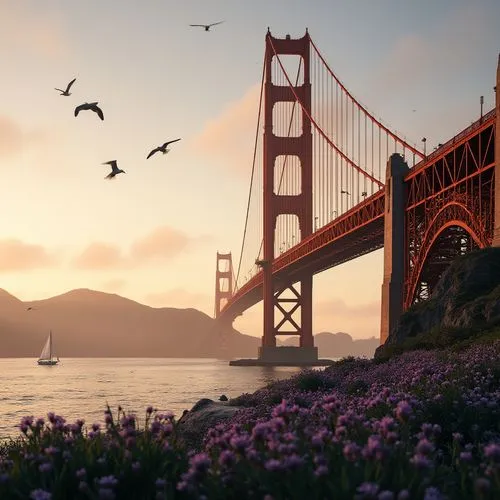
(471, 128)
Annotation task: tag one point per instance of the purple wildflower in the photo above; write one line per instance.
(432, 493)
(45, 467)
(492, 451)
(367, 490)
(81, 473)
(160, 483)
(386, 495)
(403, 411)
(107, 481)
(40, 494)
(273, 465)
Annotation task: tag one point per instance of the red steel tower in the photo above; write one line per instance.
(223, 281)
(285, 297)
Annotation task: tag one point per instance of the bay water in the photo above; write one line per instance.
(82, 387)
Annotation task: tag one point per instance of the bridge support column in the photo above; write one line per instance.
(496, 230)
(394, 245)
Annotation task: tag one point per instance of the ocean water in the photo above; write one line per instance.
(81, 387)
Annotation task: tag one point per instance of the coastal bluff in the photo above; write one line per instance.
(465, 303)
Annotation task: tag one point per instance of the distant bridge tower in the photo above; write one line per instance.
(223, 281)
(286, 298)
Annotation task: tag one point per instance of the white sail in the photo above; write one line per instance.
(46, 354)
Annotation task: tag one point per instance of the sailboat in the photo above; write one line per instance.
(46, 357)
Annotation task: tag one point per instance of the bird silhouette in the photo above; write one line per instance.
(207, 26)
(31, 309)
(345, 192)
(67, 92)
(114, 169)
(92, 106)
(364, 193)
(162, 148)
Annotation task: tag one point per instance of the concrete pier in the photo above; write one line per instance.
(284, 356)
(394, 245)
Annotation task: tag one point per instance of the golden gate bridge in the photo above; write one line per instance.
(330, 182)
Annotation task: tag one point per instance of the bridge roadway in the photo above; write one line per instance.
(355, 233)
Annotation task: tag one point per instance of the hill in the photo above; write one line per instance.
(340, 344)
(90, 323)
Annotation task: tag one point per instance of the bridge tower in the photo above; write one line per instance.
(286, 298)
(223, 281)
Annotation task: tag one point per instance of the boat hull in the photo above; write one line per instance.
(47, 362)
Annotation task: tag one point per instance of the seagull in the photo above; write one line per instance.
(364, 193)
(345, 192)
(30, 309)
(92, 106)
(114, 169)
(162, 148)
(206, 26)
(67, 92)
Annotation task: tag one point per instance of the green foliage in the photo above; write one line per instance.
(439, 338)
(358, 387)
(71, 462)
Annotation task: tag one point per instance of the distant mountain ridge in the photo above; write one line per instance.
(89, 323)
(98, 324)
(340, 345)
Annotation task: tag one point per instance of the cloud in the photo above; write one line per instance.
(31, 27)
(11, 137)
(229, 138)
(16, 255)
(115, 285)
(100, 256)
(179, 297)
(162, 243)
(461, 36)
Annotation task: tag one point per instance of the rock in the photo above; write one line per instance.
(223, 398)
(205, 414)
(467, 297)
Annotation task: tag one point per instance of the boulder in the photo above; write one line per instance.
(205, 414)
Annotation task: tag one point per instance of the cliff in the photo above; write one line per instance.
(465, 303)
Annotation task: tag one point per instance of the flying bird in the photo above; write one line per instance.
(207, 26)
(162, 148)
(31, 309)
(67, 92)
(345, 192)
(92, 106)
(114, 169)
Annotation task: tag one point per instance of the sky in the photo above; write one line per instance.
(152, 234)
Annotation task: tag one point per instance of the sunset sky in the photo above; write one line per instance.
(152, 234)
